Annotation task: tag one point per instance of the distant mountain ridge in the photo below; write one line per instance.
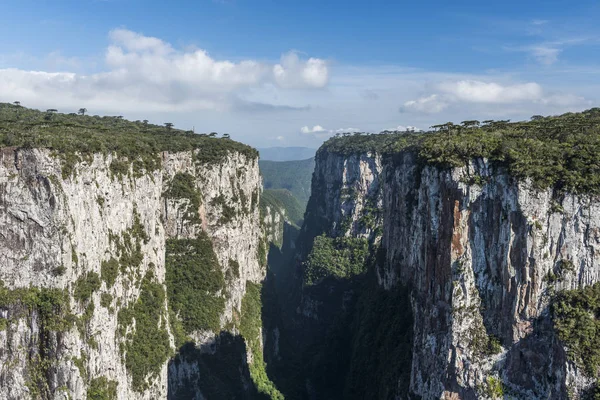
(286, 153)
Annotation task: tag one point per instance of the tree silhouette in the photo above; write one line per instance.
(213, 134)
(17, 103)
(82, 111)
(169, 125)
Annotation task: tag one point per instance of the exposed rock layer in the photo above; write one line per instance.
(54, 231)
(482, 253)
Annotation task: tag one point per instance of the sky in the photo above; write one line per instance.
(288, 73)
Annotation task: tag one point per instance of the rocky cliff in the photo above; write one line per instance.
(481, 254)
(106, 271)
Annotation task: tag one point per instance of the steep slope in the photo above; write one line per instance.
(491, 245)
(114, 262)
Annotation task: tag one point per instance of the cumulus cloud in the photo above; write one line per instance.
(148, 74)
(294, 73)
(479, 92)
(490, 92)
(314, 129)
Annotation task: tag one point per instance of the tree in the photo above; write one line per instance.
(145, 122)
(226, 136)
(536, 117)
(51, 110)
(213, 134)
(82, 111)
(169, 125)
(470, 123)
(17, 103)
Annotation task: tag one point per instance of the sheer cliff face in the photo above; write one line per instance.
(482, 255)
(94, 243)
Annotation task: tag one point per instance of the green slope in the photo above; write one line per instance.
(294, 176)
(283, 199)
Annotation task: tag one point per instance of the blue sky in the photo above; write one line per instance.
(293, 73)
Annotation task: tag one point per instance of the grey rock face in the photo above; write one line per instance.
(54, 231)
(477, 257)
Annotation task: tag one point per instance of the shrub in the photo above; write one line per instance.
(575, 316)
(183, 186)
(194, 282)
(102, 389)
(109, 270)
(146, 348)
(340, 257)
(86, 285)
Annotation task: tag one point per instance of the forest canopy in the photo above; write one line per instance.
(558, 151)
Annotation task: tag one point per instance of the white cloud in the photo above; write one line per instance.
(294, 73)
(545, 55)
(343, 130)
(480, 92)
(148, 74)
(314, 129)
(429, 104)
(490, 92)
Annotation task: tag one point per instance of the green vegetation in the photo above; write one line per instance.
(294, 176)
(109, 270)
(183, 186)
(560, 151)
(576, 320)
(250, 329)
(38, 368)
(80, 363)
(129, 248)
(86, 285)
(282, 199)
(145, 347)
(493, 388)
(341, 257)
(195, 284)
(102, 389)
(234, 267)
(52, 305)
(59, 271)
(75, 137)
(228, 212)
(106, 300)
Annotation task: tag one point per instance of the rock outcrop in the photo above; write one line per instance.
(82, 261)
(482, 255)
